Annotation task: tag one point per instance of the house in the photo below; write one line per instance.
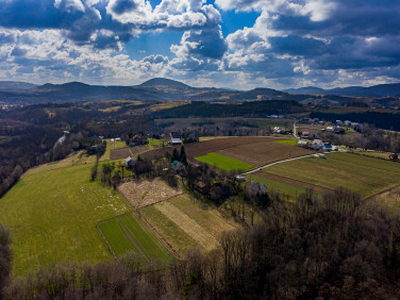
(175, 141)
(256, 188)
(305, 134)
(129, 162)
(277, 130)
(317, 144)
(347, 123)
(303, 143)
(339, 130)
(219, 192)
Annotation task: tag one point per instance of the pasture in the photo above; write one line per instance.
(128, 233)
(223, 162)
(52, 215)
(361, 174)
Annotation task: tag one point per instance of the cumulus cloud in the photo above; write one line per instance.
(295, 42)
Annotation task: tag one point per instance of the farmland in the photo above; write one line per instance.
(263, 150)
(128, 233)
(185, 225)
(55, 221)
(361, 174)
(145, 193)
(223, 162)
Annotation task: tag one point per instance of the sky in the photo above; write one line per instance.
(239, 44)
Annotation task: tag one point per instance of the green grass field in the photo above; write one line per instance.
(223, 162)
(52, 215)
(282, 187)
(128, 233)
(287, 142)
(361, 174)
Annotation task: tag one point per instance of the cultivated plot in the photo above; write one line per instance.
(361, 174)
(185, 225)
(128, 233)
(223, 162)
(145, 192)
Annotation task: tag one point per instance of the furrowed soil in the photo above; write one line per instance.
(251, 150)
(127, 151)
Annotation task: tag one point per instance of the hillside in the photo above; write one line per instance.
(156, 89)
(381, 90)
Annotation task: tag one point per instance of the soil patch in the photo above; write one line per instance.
(144, 193)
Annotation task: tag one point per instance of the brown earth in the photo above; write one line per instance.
(144, 193)
(241, 148)
(291, 181)
(128, 151)
(259, 154)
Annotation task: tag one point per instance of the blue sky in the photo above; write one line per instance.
(239, 44)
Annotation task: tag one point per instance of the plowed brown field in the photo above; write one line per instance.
(252, 150)
(127, 151)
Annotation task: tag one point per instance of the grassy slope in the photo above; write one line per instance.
(176, 237)
(282, 187)
(361, 174)
(223, 162)
(53, 214)
(128, 233)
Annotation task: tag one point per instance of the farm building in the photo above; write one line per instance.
(129, 162)
(175, 141)
(256, 188)
(303, 143)
(317, 144)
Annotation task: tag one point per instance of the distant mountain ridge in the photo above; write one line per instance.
(164, 82)
(381, 90)
(163, 89)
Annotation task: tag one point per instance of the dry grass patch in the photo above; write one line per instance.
(188, 225)
(210, 219)
(144, 193)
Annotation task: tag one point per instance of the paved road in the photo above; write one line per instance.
(295, 131)
(282, 161)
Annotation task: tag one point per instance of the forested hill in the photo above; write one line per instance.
(257, 108)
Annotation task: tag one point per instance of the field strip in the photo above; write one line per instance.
(105, 241)
(291, 181)
(282, 161)
(158, 235)
(191, 227)
(388, 190)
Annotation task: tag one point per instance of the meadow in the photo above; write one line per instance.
(223, 162)
(361, 174)
(52, 215)
(128, 233)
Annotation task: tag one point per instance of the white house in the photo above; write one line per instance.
(175, 141)
(317, 144)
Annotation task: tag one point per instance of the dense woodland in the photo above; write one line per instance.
(334, 246)
(252, 109)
